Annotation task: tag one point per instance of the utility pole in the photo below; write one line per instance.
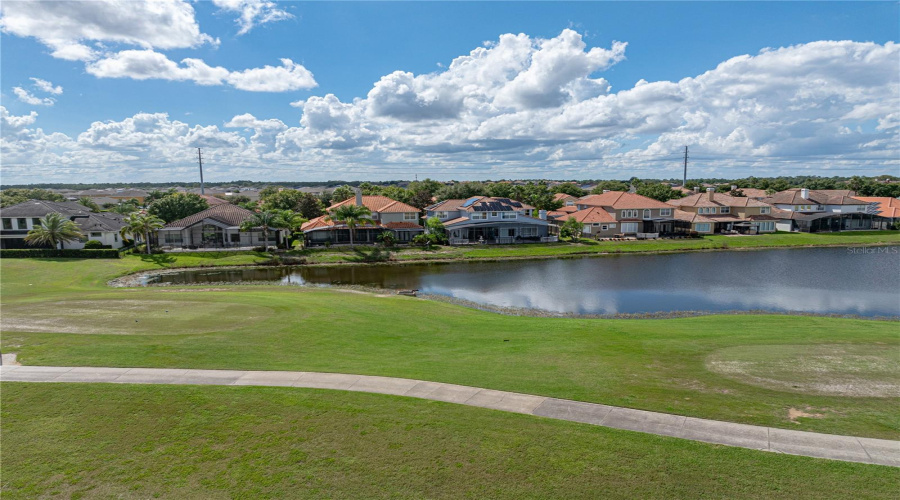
(684, 179)
(200, 160)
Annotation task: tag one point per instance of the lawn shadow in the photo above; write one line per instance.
(160, 259)
(376, 254)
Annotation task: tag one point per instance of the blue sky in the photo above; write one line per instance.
(367, 93)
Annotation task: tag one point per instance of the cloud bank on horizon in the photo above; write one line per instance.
(515, 107)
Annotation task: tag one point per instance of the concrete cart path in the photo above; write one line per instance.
(810, 444)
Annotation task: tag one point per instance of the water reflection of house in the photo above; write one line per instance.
(386, 214)
(483, 219)
(216, 227)
(713, 212)
(811, 211)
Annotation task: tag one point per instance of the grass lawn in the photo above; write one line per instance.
(59, 312)
(117, 441)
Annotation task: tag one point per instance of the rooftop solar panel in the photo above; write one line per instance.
(470, 201)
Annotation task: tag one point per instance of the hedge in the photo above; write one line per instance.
(37, 253)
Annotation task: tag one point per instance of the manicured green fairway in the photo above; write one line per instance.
(117, 441)
(659, 365)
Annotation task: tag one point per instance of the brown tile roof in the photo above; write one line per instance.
(592, 214)
(885, 206)
(620, 200)
(816, 197)
(564, 197)
(324, 222)
(212, 200)
(692, 217)
(719, 200)
(225, 213)
(380, 204)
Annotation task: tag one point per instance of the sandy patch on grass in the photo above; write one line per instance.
(854, 370)
(130, 317)
(794, 414)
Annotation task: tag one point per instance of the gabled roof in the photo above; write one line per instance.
(719, 200)
(40, 208)
(481, 204)
(620, 200)
(99, 222)
(212, 200)
(753, 192)
(884, 206)
(380, 204)
(226, 213)
(564, 197)
(591, 215)
(815, 197)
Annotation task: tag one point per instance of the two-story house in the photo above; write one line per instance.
(631, 214)
(810, 210)
(18, 219)
(483, 219)
(713, 212)
(385, 215)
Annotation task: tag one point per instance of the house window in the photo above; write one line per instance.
(96, 235)
(7, 223)
(646, 213)
(35, 222)
(604, 227)
(493, 214)
(612, 226)
(665, 212)
(629, 214)
(441, 215)
(629, 227)
(115, 236)
(508, 215)
(172, 238)
(528, 231)
(478, 216)
(726, 210)
(235, 237)
(765, 210)
(22, 223)
(702, 228)
(596, 224)
(410, 216)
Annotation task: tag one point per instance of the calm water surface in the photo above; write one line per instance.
(862, 281)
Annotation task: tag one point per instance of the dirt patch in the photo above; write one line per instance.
(854, 370)
(794, 414)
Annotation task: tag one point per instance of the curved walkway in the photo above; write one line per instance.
(810, 444)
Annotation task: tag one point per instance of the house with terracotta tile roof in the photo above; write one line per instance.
(484, 219)
(386, 215)
(219, 226)
(809, 210)
(632, 212)
(713, 212)
(567, 199)
(885, 210)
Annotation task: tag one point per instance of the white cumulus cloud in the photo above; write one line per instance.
(253, 12)
(46, 86)
(29, 98)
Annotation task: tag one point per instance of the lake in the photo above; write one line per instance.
(858, 281)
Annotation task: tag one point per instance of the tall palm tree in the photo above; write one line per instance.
(351, 215)
(291, 221)
(142, 224)
(86, 201)
(55, 230)
(265, 220)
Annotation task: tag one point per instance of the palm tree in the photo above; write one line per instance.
(265, 220)
(291, 221)
(86, 201)
(54, 231)
(141, 224)
(351, 215)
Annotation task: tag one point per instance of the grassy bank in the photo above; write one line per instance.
(112, 441)
(61, 313)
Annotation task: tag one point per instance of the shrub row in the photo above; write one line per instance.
(38, 253)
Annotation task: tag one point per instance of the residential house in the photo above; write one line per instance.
(483, 219)
(809, 210)
(713, 212)
(885, 210)
(18, 219)
(399, 218)
(218, 226)
(632, 212)
(567, 199)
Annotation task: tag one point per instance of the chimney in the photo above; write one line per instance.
(710, 193)
(359, 202)
(733, 187)
(542, 214)
(804, 193)
(696, 189)
(606, 190)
